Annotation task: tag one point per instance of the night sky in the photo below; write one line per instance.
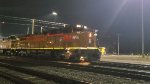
(110, 17)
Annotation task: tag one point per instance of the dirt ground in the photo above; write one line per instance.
(135, 59)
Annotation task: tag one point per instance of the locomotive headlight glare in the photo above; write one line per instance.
(82, 58)
(78, 26)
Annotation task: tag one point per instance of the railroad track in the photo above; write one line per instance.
(116, 71)
(14, 79)
(98, 68)
(43, 75)
(123, 65)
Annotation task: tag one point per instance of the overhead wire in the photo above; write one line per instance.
(30, 20)
(15, 18)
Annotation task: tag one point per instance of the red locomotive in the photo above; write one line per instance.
(76, 44)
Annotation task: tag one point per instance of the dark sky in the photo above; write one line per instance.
(110, 17)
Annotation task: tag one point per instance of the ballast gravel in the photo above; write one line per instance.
(90, 77)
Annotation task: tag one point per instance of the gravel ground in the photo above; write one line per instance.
(90, 77)
(5, 81)
(31, 78)
(93, 78)
(134, 59)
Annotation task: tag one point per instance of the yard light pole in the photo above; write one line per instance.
(142, 32)
(118, 43)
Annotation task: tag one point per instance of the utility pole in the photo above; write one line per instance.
(33, 20)
(118, 43)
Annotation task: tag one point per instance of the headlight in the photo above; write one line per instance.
(82, 58)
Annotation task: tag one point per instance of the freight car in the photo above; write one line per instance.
(76, 44)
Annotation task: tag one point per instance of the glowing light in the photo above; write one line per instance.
(78, 26)
(95, 34)
(82, 59)
(85, 27)
(64, 25)
(54, 13)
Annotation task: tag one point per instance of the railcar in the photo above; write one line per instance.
(74, 45)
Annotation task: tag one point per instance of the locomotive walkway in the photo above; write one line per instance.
(133, 59)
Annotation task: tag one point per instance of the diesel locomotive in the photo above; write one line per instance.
(71, 43)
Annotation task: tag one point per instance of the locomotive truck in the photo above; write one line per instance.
(75, 44)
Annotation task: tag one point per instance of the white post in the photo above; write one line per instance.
(41, 30)
(27, 30)
(33, 26)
